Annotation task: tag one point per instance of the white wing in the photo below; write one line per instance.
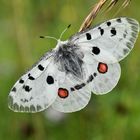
(73, 94)
(110, 41)
(37, 89)
(103, 77)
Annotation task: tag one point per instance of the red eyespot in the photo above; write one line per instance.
(102, 67)
(63, 93)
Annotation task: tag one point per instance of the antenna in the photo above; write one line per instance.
(64, 31)
(49, 37)
(60, 34)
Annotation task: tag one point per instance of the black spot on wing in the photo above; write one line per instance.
(95, 50)
(88, 36)
(21, 81)
(90, 79)
(30, 77)
(94, 74)
(14, 89)
(50, 80)
(27, 88)
(101, 30)
(79, 86)
(40, 67)
(113, 31)
(108, 23)
(72, 89)
(119, 20)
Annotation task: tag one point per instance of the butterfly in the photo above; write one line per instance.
(86, 63)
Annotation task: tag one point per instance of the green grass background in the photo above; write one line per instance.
(114, 116)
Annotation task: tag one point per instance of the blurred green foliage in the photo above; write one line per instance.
(115, 116)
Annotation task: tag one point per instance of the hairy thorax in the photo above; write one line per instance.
(69, 59)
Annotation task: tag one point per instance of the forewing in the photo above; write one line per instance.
(110, 41)
(37, 89)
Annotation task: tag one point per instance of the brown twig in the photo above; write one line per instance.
(88, 20)
(97, 8)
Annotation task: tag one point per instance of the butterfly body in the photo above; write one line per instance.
(68, 57)
(87, 62)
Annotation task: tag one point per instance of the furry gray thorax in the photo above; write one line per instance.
(69, 59)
